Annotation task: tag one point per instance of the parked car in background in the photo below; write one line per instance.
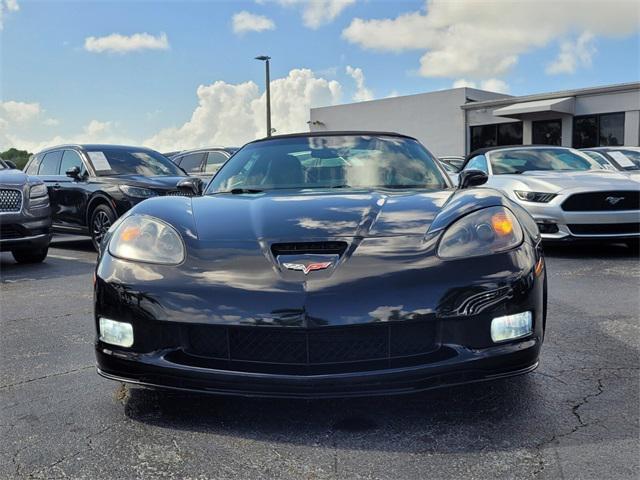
(203, 162)
(569, 194)
(90, 186)
(171, 154)
(25, 215)
(325, 264)
(451, 171)
(454, 161)
(624, 159)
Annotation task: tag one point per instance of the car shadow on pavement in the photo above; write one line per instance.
(589, 250)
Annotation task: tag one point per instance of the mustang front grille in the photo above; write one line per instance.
(337, 348)
(605, 228)
(10, 200)
(602, 201)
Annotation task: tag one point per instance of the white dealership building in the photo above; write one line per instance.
(459, 120)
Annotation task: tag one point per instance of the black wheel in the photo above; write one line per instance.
(102, 218)
(36, 255)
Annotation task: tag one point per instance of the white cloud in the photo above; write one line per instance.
(51, 122)
(19, 112)
(7, 6)
(232, 114)
(491, 84)
(316, 13)
(485, 39)
(116, 43)
(573, 55)
(362, 93)
(244, 21)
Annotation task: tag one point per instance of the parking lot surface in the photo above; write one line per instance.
(575, 417)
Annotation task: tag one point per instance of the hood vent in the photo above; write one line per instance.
(309, 248)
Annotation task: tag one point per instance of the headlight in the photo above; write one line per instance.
(37, 191)
(147, 239)
(537, 197)
(137, 192)
(487, 231)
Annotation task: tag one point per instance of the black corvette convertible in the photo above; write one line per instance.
(320, 265)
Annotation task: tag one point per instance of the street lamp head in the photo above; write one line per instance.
(263, 57)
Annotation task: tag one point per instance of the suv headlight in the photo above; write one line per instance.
(147, 239)
(137, 192)
(38, 190)
(537, 197)
(485, 232)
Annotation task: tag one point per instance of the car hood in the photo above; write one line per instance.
(306, 215)
(13, 177)
(156, 183)
(555, 181)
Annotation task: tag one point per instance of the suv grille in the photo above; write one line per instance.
(314, 350)
(10, 200)
(309, 248)
(605, 228)
(602, 201)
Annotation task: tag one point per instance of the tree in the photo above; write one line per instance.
(19, 157)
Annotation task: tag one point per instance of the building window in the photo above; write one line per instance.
(598, 130)
(546, 132)
(496, 134)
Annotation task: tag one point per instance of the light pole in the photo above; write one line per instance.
(266, 59)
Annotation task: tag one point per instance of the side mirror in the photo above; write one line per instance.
(471, 178)
(191, 186)
(10, 164)
(73, 172)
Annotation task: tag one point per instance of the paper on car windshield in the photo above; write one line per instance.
(622, 159)
(100, 162)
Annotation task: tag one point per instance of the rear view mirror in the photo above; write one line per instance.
(10, 164)
(190, 186)
(471, 178)
(73, 172)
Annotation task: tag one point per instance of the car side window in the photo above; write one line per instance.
(71, 159)
(214, 161)
(32, 169)
(478, 163)
(192, 163)
(50, 164)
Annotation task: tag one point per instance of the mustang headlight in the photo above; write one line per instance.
(137, 192)
(537, 197)
(487, 231)
(147, 239)
(37, 191)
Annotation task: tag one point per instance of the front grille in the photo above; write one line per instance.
(314, 350)
(8, 232)
(604, 228)
(10, 200)
(309, 248)
(602, 201)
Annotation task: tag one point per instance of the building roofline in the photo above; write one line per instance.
(335, 133)
(620, 87)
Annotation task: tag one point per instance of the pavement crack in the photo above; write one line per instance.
(58, 374)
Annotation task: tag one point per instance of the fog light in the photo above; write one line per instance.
(116, 333)
(511, 326)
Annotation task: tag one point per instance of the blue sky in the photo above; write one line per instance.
(55, 88)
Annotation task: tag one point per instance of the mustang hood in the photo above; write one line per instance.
(321, 215)
(555, 181)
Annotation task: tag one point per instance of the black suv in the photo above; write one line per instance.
(203, 162)
(90, 186)
(25, 216)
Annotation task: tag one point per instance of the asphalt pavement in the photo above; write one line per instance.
(575, 417)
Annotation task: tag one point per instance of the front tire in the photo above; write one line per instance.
(30, 256)
(102, 218)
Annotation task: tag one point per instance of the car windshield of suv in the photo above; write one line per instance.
(625, 159)
(526, 160)
(345, 161)
(120, 161)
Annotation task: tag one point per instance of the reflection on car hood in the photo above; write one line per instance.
(556, 181)
(13, 177)
(160, 182)
(305, 215)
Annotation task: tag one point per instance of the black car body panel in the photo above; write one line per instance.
(25, 222)
(388, 316)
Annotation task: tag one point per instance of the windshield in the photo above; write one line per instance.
(625, 159)
(121, 161)
(349, 161)
(525, 160)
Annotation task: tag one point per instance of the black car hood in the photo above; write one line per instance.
(315, 214)
(156, 183)
(13, 177)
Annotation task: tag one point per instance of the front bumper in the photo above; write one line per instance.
(20, 231)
